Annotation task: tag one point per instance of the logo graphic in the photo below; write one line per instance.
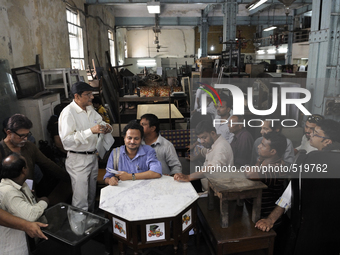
(204, 97)
(238, 100)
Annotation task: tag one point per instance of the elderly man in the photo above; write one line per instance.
(308, 131)
(79, 126)
(272, 126)
(134, 161)
(165, 150)
(17, 199)
(18, 130)
(243, 141)
(217, 152)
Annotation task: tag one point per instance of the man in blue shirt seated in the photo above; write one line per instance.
(135, 161)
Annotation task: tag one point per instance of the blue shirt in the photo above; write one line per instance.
(144, 160)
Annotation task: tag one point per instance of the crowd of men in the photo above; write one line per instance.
(144, 155)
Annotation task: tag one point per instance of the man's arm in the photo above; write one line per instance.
(31, 228)
(268, 223)
(173, 161)
(124, 176)
(16, 204)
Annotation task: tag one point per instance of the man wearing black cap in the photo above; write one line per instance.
(79, 125)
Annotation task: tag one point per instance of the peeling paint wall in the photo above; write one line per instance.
(31, 27)
(99, 21)
(174, 43)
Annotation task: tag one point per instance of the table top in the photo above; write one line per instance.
(236, 184)
(240, 227)
(147, 199)
(72, 225)
(160, 110)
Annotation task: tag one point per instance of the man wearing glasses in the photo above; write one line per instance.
(325, 137)
(17, 134)
(79, 126)
(308, 131)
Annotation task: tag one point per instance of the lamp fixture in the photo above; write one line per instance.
(153, 7)
(255, 4)
(269, 28)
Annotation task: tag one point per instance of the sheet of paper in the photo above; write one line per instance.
(104, 144)
(29, 183)
(112, 171)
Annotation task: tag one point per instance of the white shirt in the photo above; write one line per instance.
(223, 129)
(75, 127)
(285, 201)
(18, 201)
(220, 153)
(198, 96)
(305, 145)
(210, 109)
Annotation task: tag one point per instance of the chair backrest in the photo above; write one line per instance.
(179, 138)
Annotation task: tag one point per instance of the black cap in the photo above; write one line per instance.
(81, 86)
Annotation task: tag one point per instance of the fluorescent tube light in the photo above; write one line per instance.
(154, 7)
(146, 62)
(255, 4)
(269, 28)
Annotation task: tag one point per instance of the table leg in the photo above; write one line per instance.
(108, 246)
(210, 199)
(224, 212)
(121, 248)
(185, 240)
(256, 212)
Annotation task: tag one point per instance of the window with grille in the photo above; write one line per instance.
(75, 33)
(112, 48)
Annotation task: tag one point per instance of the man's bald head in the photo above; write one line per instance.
(12, 166)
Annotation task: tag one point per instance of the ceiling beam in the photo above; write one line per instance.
(108, 2)
(303, 9)
(196, 21)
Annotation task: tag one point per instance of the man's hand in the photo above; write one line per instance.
(264, 224)
(99, 129)
(124, 176)
(33, 229)
(108, 129)
(113, 181)
(44, 199)
(182, 177)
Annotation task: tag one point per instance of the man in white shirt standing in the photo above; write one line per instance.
(79, 126)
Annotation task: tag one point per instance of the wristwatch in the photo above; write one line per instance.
(133, 177)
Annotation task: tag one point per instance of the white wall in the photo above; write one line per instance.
(174, 43)
(300, 50)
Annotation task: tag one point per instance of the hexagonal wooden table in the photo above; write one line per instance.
(150, 213)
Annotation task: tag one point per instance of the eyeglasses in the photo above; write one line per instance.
(324, 137)
(315, 118)
(22, 136)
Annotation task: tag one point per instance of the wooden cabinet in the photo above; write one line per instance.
(39, 112)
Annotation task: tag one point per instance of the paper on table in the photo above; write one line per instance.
(29, 183)
(112, 171)
(104, 143)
